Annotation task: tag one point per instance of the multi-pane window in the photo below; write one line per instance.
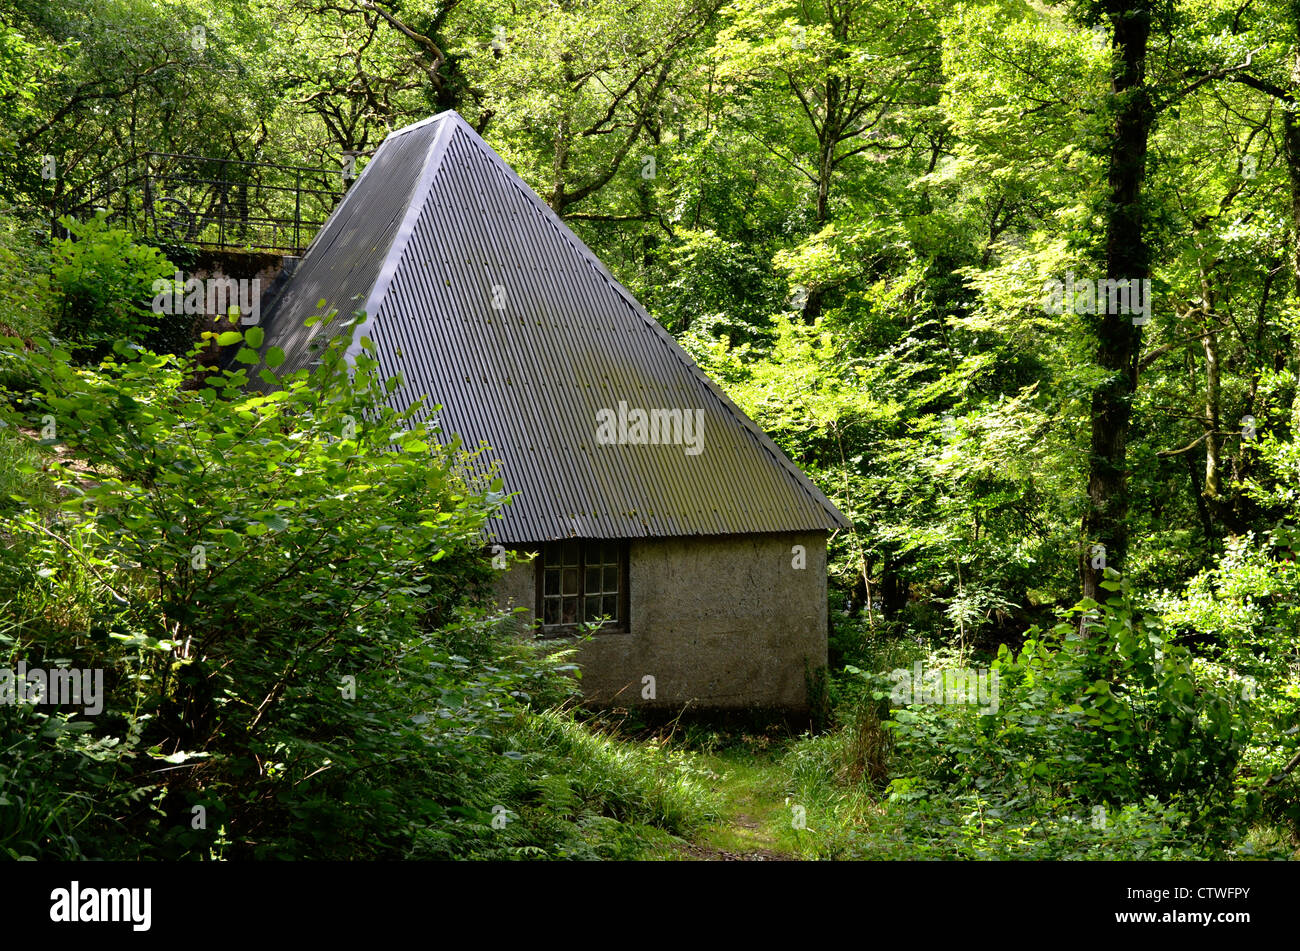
(582, 581)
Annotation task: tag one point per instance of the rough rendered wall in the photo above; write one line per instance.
(718, 622)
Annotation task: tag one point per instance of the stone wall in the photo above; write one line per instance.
(719, 623)
(264, 267)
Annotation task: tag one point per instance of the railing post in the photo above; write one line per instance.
(297, 208)
(221, 207)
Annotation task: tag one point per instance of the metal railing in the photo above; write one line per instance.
(236, 205)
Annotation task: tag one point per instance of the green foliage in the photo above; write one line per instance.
(103, 284)
(1117, 745)
(1120, 713)
(1088, 731)
(24, 279)
(19, 471)
(1242, 614)
(926, 823)
(276, 586)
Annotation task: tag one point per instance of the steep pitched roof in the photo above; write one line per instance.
(486, 303)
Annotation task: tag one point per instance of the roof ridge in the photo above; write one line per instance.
(414, 206)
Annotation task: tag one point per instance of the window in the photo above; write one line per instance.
(579, 582)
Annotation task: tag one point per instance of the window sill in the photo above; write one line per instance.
(573, 633)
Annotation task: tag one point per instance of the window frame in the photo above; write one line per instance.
(619, 625)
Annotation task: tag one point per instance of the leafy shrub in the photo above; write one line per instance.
(285, 591)
(102, 283)
(270, 593)
(24, 278)
(923, 821)
(1121, 714)
(1121, 725)
(1243, 615)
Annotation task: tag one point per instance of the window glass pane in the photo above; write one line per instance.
(581, 581)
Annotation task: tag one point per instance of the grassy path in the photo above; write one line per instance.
(756, 823)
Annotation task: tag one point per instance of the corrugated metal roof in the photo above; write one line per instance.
(434, 223)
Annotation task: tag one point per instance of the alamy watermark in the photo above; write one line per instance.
(654, 427)
(961, 686)
(76, 904)
(61, 686)
(1104, 296)
(215, 295)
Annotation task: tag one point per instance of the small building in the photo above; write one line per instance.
(654, 506)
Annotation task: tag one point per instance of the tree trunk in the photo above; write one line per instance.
(1213, 488)
(558, 200)
(1291, 143)
(1291, 148)
(1207, 525)
(826, 143)
(893, 589)
(1127, 258)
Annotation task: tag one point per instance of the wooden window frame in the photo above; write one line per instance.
(621, 623)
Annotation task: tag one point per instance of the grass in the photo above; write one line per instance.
(806, 798)
(15, 452)
(628, 781)
(776, 797)
(754, 792)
